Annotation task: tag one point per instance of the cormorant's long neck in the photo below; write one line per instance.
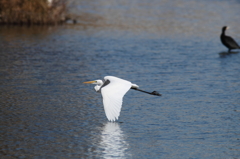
(151, 93)
(223, 32)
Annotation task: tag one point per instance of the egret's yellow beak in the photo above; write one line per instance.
(90, 82)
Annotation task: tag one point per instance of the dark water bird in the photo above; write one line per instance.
(228, 41)
(113, 89)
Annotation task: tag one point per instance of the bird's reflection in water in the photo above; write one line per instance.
(224, 54)
(113, 141)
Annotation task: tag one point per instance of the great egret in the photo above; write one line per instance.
(113, 89)
(228, 41)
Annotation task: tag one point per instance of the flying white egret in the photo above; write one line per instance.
(113, 89)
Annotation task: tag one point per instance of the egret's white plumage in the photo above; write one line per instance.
(113, 90)
(112, 94)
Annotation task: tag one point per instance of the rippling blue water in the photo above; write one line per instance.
(47, 112)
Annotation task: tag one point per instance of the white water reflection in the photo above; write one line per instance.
(113, 141)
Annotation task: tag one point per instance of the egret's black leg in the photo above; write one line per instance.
(152, 93)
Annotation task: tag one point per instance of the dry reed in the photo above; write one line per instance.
(32, 12)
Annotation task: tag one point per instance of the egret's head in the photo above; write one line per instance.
(98, 83)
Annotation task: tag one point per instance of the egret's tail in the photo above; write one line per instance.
(134, 86)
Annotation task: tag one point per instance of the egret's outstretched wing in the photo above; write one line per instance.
(112, 94)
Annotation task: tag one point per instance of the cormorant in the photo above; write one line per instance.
(228, 41)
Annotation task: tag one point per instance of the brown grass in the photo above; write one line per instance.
(32, 12)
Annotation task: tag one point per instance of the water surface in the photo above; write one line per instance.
(171, 47)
